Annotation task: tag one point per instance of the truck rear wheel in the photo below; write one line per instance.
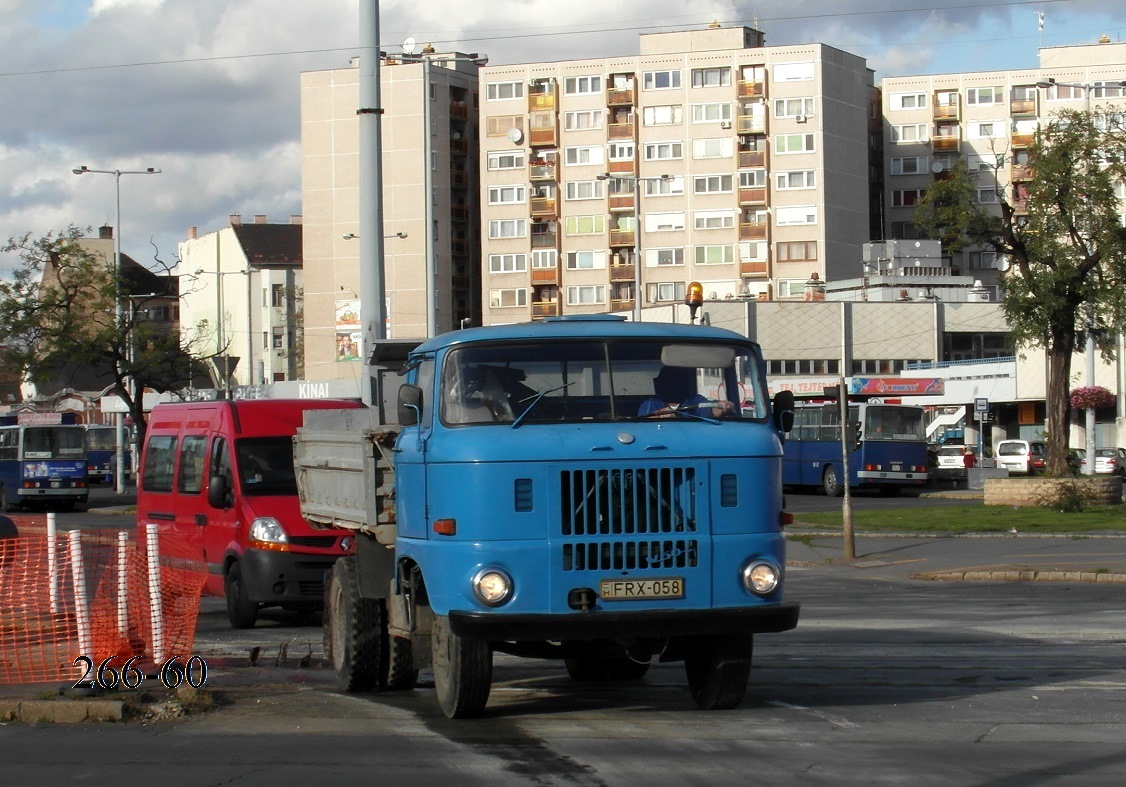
(399, 673)
(718, 669)
(355, 629)
(463, 671)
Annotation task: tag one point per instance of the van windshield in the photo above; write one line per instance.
(265, 465)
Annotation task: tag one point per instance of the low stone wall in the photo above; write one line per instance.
(1099, 490)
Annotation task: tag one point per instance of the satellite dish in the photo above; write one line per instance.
(408, 46)
(937, 167)
(515, 136)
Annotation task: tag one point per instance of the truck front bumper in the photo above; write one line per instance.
(624, 625)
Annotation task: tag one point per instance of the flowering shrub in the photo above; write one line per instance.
(1091, 397)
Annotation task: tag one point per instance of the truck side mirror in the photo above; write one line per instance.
(219, 492)
(783, 407)
(410, 404)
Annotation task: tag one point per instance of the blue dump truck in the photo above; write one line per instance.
(604, 493)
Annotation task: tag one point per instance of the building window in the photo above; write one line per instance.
(586, 260)
(503, 91)
(508, 263)
(585, 225)
(585, 189)
(713, 219)
(797, 251)
(500, 125)
(991, 162)
(711, 113)
(577, 86)
(724, 147)
(793, 143)
(982, 260)
(795, 180)
(663, 187)
(711, 77)
(1057, 92)
(508, 228)
(905, 230)
(544, 258)
(752, 179)
(588, 154)
(664, 222)
(985, 95)
(987, 195)
(793, 72)
(661, 80)
(586, 295)
(505, 159)
(279, 337)
(712, 184)
(1107, 90)
(715, 255)
(663, 151)
(909, 165)
(898, 101)
(752, 250)
(661, 258)
(793, 107)
(665, 291)
(507, 299)
(582, 120)
(662, 116)
(620, 151)
(905, 198)
(799, 214)
(791, 288)
(277, 295)
(909, 133)
(988, 129)
(507, 195)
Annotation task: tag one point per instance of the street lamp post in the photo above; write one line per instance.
(119, 475)
(637, 181)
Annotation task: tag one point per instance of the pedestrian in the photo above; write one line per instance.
(968, 461)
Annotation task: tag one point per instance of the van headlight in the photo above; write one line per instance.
(761, 577)
(492, 587)
(267, 530)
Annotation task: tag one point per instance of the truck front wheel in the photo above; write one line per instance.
(718, 669)
(355, 629)
(463, 671)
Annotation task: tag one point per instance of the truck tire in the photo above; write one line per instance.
(241, 611)
(354, 629)
(718, 669)
(398, 673)
(831, 482)
(463, 671)
(591, 669)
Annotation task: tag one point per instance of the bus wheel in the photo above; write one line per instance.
(718, 669)
(241, 611)
(830, 483)
(354, 628)
(463, 671)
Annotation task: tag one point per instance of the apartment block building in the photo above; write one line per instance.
(608, 184)
(430, 215)
(989, 119)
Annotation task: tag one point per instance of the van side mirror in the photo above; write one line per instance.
(219, 492)
(783, 407)
(410, 404)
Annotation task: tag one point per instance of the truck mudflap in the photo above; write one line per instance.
(623, 625)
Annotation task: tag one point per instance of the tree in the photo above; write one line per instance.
(1062, 233)
(59, 323)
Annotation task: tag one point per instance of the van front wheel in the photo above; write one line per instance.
(241, 611)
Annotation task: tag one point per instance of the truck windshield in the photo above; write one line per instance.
(265, 465)
(577, 381)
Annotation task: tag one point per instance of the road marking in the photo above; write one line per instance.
(836, 721)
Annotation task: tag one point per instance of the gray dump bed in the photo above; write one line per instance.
(345, 471)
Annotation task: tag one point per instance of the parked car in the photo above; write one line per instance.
(950, 463)
(1022, 457)
(1077, 460)
(1110, 461)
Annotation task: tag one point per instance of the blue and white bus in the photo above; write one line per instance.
(42, 461)
(101, 453)
(891, 456)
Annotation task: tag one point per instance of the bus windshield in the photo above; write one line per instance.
(577, 381)
(893, 422)
(101, 438)
(54, 442)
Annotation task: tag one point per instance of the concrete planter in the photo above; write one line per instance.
(1100, 490)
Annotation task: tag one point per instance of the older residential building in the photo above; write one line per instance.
(708, 157)
(430, 215)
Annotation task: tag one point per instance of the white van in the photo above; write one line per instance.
(1021, 457)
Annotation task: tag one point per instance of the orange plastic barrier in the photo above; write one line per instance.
(91, 594)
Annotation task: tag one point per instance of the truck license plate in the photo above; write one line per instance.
(641, 589)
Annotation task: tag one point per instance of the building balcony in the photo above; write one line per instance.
(1023, 107)
(460, 281)
(621, 304)
(754, 268)
(1020, 172)
(459, 109)
(458, 178)
(545, 276)
(1023, 140)
(622, 167)
(751, 124)
(543, 207)
(752, 159)
(541, 171)
(753, 231)
(619, 273)
(541, 101)
(1020, 207)
(622, 238)
(748, 89)
(545, 240)
(543, 137)
(622, 96)
(950, 111)
(621, 202)
(459, 212)
(621, 131)
(459, 246)
(459, 147)
(545, 309)
(946, 144)
(756, 196)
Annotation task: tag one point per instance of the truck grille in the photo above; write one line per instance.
(625, 555)
(625, 501)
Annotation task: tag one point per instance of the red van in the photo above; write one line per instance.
(220, 473)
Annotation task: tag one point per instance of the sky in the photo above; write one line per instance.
(206, 91)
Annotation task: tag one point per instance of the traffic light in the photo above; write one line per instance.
(853, 435)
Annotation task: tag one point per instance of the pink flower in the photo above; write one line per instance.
(1091, 397)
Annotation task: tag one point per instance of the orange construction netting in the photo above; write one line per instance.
(91, 594)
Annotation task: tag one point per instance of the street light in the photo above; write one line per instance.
(637, 180)
(119, 476)
(221, 332)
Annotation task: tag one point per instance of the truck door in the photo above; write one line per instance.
(410, 459)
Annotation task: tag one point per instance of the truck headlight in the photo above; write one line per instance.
(492, 587)
(268, 531)
(761, 577)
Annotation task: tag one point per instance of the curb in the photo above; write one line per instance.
(61, 711)
(1099, 577)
